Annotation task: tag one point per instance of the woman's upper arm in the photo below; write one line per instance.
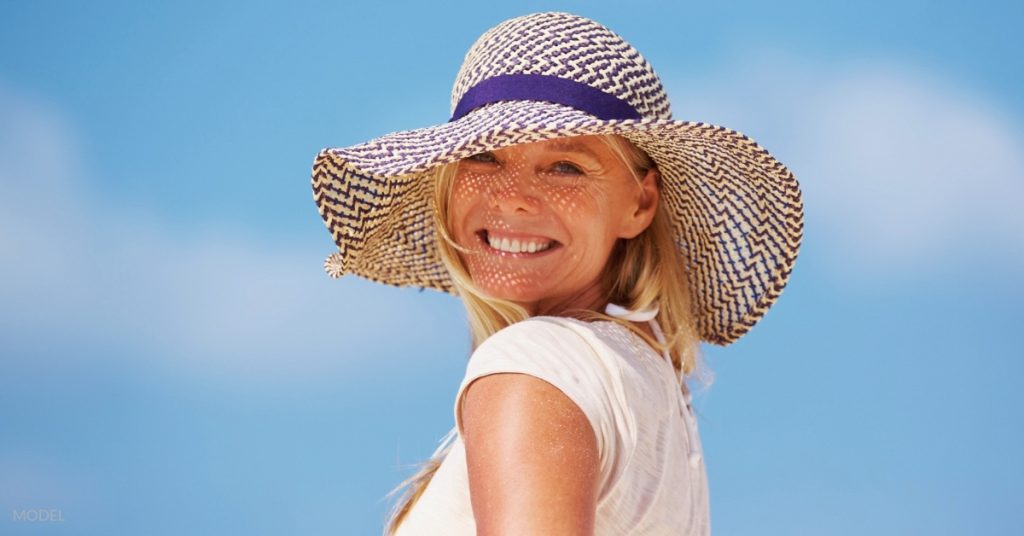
(532, 457)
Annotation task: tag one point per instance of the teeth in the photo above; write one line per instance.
(515, 246)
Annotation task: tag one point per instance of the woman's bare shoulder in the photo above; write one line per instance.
(532, 457)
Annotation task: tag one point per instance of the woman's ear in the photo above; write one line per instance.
(644, 205)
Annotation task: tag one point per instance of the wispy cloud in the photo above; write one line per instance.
(78, 271)
(900, 168)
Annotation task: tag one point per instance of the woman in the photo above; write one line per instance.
(594, 242)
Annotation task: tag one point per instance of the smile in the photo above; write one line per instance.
(517, 245)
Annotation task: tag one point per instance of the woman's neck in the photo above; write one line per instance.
(590, 298)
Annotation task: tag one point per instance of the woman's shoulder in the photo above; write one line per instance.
(555, 326)
(599, 334)
(566, 343)
(558, 334)
(543, 335)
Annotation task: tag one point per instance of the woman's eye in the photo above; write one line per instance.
(487, 157)
(567, 168)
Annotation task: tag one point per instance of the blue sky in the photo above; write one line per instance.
(174, 360)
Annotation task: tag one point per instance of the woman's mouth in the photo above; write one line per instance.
(516, 245)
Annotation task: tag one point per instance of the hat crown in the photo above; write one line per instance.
(570, 47)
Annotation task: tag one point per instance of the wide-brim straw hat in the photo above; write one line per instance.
(736, 211)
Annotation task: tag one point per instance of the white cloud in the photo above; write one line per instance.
(900, 169)
(79, 272)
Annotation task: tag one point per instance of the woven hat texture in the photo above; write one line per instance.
(737, 211)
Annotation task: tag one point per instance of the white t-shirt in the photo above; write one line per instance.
(653, 480)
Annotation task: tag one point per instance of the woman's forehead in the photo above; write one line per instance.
(592, 146)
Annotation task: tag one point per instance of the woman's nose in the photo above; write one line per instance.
(515, 190)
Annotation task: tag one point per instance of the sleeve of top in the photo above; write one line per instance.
(557, 354)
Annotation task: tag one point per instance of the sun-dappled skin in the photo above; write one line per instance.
(538, 223)
(531, 456)
(569, 199)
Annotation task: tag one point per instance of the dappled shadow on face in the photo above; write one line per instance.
(534, 221)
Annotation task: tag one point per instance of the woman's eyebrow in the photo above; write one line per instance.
(572, 147)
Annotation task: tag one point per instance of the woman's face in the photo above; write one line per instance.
(540, 219)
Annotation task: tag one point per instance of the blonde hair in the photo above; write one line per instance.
(641, 271)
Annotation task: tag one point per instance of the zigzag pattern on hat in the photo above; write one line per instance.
(569, 47)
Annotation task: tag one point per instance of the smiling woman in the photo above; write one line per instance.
(535, 223)
(594, 242)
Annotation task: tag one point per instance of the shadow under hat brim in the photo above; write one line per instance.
(736, 211)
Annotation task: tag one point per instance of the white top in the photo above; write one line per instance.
(653, 480)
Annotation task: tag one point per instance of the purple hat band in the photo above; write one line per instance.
(541, 87)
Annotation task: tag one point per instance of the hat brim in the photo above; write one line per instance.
(737, 211)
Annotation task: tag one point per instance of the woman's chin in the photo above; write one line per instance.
(521, 294)
(515, 296)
